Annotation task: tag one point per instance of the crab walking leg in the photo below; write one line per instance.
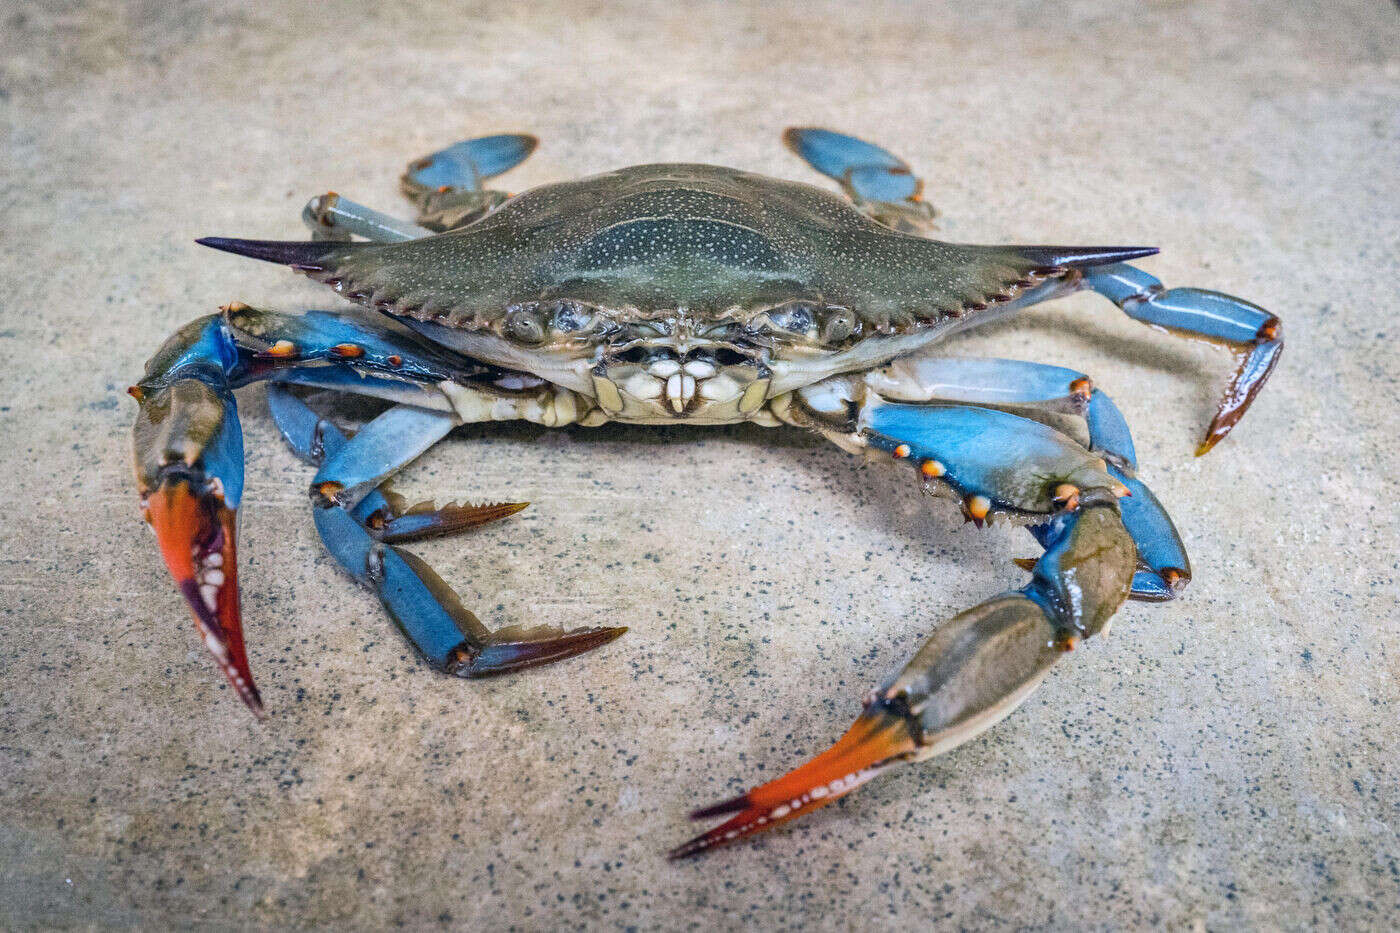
(1046, 393)
(188, 446)
(976, 668)
(345, 500)
(1255, 335)
(879, 182)
(382, 512)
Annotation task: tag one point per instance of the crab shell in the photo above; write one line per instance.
(677, 291)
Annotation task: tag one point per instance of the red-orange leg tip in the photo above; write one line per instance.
(1082, 387)
(978, 507)
(281, 350)
(348, 351)
(932, 469)
(395, 360)
(901, 451)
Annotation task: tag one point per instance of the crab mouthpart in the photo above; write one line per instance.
(196, 531)
(879, 738)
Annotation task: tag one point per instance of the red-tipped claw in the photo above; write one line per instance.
(878, 739)
(196, 531)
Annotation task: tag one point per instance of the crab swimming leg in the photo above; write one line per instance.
(447, 185)
(1058, 397)
(879, 182)
(978, 666)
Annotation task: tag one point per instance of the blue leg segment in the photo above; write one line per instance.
(332, 217)
(1015, 385)
(380, 449)
(1253, 333)
(449, 635)
(875, 179)
(994, 461)
(448, 185)
(465, 165)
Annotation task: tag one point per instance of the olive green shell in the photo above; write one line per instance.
(644, 241)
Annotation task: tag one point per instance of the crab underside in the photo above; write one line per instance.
(670, 293)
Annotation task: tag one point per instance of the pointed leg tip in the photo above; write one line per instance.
(507, 655)
(688, 849)
(253, 700)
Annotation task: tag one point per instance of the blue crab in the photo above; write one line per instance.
(686, 293)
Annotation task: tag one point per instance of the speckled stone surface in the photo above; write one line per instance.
(1226, 760)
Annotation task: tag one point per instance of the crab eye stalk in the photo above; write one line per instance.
(837, 325)
(525, 325)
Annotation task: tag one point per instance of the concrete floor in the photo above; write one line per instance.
(1226, 760)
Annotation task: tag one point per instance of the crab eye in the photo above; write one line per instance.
(570, 317)
(795, 318)
(837, 325)
(525, 325)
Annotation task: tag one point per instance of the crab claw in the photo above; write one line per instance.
(189, 466)
(880, 737)
(198, 539)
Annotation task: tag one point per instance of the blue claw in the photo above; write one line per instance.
(465, 165)
(864, 169)
(1210, 315)
(189, 465)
